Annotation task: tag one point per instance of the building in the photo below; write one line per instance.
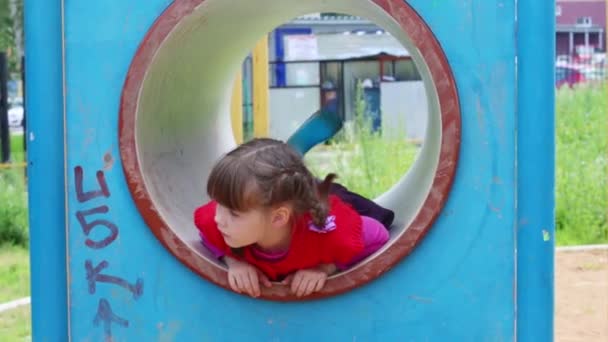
(320, 57)
(581, 27)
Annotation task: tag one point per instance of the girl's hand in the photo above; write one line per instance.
(243, 277)
(305, 282)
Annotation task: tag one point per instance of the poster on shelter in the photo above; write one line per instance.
(301, 47)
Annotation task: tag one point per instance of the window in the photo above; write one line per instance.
(584, 21)
(558, 10)
(294, 74)
(405, 70)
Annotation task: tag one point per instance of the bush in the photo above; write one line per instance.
(13, 208)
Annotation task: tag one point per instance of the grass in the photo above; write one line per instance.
(16, 147)
(582, 165)
(16, 325)
(359, 165)
(13, 197)
(13, 208)
(17, 152)
(14, 273)
(359, 156)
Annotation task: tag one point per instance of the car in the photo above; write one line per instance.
(594, 73)
(563, 59)
(15, 112)
(568, 75)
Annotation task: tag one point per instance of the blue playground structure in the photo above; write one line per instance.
(129, 105)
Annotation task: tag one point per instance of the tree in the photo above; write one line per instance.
(11, 32)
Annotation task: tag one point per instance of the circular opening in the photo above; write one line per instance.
(175, 122)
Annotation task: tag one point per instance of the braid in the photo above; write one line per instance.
(319, 212)
(308, 195)
(319, 203)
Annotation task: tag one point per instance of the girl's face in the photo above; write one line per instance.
(241, 229)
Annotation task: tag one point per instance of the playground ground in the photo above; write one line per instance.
(581, 296)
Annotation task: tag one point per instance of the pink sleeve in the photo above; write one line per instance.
(375, 236)
(210, 235)
(345, 241)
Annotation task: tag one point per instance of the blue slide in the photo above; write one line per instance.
(319, 127)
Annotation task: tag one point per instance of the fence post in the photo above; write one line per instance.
(24, 122)
(5, 140)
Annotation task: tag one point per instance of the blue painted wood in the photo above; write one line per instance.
(46, 186)
(536, 170)
(457, 285)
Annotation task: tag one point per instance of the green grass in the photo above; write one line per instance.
(14, 273)
(359, 156)
(13, 198)
(16, 147)
(361, 165)
(13, 208)
(17, 153)
(16, 325)
(582, 165)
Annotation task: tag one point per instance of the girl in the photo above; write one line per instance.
(270, 220)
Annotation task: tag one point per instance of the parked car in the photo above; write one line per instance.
(15, 112)
(563, 59)
(594, 73)
(568, 75)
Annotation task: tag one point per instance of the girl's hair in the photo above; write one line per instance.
(266, 172)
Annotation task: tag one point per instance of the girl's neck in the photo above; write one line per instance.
(277, 239)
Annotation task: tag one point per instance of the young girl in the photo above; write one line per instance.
(270, 220)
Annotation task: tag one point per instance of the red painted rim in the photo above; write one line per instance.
(422, 37)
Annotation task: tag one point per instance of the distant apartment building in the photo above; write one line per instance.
(581, 26)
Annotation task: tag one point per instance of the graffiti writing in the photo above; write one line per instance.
(82, 196)
(94, 275)
(101, 232)
(87, 227)
(106, 317)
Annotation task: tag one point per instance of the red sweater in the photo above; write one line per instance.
(338, 244)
